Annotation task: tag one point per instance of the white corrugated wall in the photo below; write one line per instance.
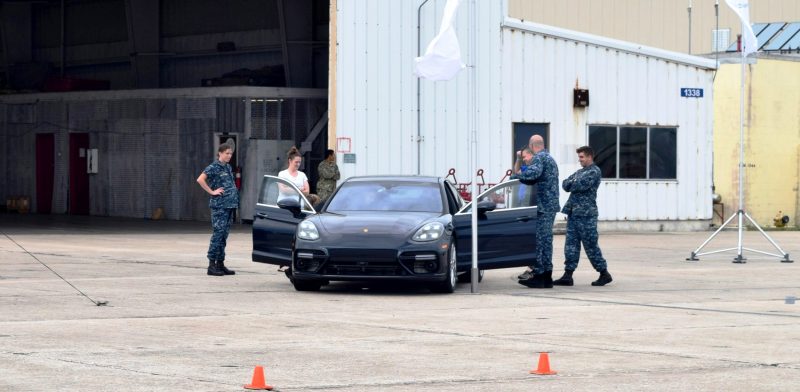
(524, 75)
(377, 90)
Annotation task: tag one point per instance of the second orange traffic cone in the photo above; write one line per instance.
(544, 365)
(258, 380)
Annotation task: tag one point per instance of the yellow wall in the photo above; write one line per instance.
(772, 139)
(658, 23)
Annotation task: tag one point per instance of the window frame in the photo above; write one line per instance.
(648, 140)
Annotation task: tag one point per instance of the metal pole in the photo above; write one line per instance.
(419, 115)
(739, 258)
(474, 158)
(690, 26)
(740, 213)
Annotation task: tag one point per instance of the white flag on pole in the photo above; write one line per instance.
(442, 59)
(749, 41)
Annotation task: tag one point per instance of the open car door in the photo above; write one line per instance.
(279, 209)
(506, 227)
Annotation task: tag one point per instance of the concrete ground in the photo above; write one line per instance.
(664, 324)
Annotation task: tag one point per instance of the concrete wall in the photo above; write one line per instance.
(772, 139)
(658, 23)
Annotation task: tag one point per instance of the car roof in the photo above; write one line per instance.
(398, 178)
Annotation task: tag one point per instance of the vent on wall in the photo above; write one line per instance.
(719, 39)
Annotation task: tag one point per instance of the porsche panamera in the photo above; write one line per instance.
(405, 228)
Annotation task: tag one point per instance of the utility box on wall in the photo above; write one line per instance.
(580, 98)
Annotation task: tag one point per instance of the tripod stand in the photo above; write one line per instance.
(741, 214)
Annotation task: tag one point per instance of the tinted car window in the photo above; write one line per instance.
(387, 196)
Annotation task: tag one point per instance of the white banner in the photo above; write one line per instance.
(749, 41)
(442, 59)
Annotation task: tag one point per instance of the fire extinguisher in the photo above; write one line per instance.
(238, 177)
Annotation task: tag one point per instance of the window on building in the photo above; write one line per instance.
(635, 152)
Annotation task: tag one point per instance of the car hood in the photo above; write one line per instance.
(373, 222)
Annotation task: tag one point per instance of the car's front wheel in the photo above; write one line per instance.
(451, 278)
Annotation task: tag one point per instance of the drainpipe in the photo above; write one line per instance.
(419, 117)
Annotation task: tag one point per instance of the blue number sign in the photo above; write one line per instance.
(691, 92)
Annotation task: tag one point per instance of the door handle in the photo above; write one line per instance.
(261, 215)
(524, 218)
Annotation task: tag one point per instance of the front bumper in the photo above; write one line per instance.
(415, 262)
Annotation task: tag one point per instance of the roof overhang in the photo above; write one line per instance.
(622, 46)
(193, 92)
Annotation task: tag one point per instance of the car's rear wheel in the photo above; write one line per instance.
(451, 278)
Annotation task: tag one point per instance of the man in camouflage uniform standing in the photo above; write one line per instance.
(542, 171)
(217, 180)
(328, 175)
(581, 210)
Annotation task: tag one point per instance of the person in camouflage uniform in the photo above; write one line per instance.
(328, 175)
(542, 171)
(581, 211)
(217, 180)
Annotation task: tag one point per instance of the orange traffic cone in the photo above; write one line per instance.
(258, 380)
(544, 365)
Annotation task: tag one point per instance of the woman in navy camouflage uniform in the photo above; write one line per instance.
(217, 180)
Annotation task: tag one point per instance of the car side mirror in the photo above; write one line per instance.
(290, 204)
(486, 205)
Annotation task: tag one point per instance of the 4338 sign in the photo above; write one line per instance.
(691, 92)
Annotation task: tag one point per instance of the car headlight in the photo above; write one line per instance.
(429, 232)
(307, 231)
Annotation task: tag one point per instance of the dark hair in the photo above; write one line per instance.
(328, 153)
(293, 152)
(586, 150)
(224, 147)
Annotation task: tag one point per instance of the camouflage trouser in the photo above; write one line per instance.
(544, 242)
(221, 219)
(582, 229)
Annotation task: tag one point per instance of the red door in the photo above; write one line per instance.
(78, 178)
(45, 172)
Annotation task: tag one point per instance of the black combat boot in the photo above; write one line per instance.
(213, 270)
(565, 280)
(548, 279)
(539, 281)
(604, 279)
(225, 271)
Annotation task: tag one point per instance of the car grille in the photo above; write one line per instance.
(364, 262)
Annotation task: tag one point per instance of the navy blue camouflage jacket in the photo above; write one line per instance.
(582, 186)
(544, 172)
(219, 175)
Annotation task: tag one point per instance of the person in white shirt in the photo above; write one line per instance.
(293, 174)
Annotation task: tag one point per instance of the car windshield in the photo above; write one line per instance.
(387, 196)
